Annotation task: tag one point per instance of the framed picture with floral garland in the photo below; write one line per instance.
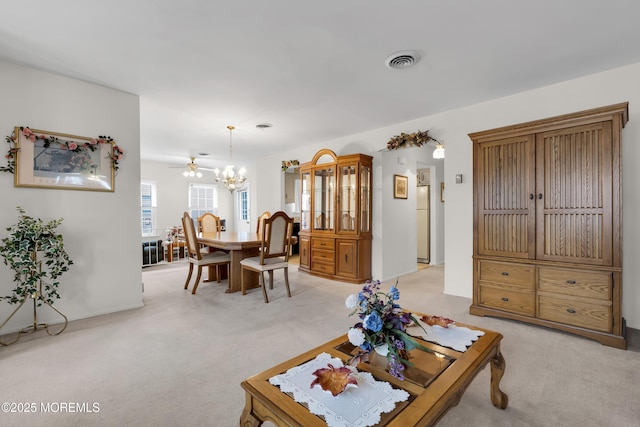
(400, 187)
(56, 160)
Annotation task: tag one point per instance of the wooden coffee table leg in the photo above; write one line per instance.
(247, 419)
(498, 397)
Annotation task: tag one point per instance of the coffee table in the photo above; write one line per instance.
(437, 383)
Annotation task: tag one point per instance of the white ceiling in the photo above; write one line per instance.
(315, 71)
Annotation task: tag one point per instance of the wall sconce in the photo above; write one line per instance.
(438, 153)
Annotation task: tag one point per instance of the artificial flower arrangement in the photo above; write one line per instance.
(81, 156)
(383, 325)
(174, 233)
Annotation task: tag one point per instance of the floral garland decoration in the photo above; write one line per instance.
(80, 150)
(286, 164)
(405, 140)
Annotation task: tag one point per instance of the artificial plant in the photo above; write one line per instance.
(35, 251)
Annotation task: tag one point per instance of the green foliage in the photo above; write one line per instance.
(36, 254)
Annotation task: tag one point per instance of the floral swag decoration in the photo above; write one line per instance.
(383, 326)
(406, 140)
(286, 164)
(80, 150)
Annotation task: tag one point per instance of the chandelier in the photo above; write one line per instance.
(230, 179)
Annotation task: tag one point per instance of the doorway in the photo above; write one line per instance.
(423, 215)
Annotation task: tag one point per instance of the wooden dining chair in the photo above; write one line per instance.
(198, 256)
(264, 215)
(274, 252)
(208, 222)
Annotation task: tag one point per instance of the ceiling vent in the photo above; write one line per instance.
(403, 59)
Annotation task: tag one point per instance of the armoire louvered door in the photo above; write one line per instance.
(506, 223)
(574, 191)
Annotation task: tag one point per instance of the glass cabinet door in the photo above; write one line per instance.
(305, 201)
(323, 199)
(347, 181)
(365, 199)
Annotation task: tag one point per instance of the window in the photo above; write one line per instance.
(202, 198)
(148, 206)
(243, 205)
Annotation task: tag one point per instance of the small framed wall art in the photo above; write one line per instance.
(400, 187)
(60, 161)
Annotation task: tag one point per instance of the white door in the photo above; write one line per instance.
(243, 210)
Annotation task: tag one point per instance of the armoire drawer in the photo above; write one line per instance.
(514, 275)
(582, 314)
(508, 300)
(588, 284)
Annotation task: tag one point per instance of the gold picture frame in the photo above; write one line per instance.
(400, 187)
(60, 161)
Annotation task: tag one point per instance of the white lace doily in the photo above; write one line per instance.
(359, 406)
(455, 337)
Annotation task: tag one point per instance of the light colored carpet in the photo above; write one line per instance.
(179, 360)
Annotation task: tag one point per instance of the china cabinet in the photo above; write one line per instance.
(548, 223)
(335, 220)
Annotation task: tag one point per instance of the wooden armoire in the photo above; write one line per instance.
(335, 216)
(548, 223)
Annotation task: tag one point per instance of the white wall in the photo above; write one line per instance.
(593, 91)
(394, 248)
(97, 226)
(173, 194)
(398, 239)
(614, 86)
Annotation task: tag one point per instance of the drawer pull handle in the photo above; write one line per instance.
(505, 273)
(505, 299)
(571, 282)
(531, 196)
(571, 311)
(345, 258)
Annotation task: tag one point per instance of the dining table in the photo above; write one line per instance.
(240, 245)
